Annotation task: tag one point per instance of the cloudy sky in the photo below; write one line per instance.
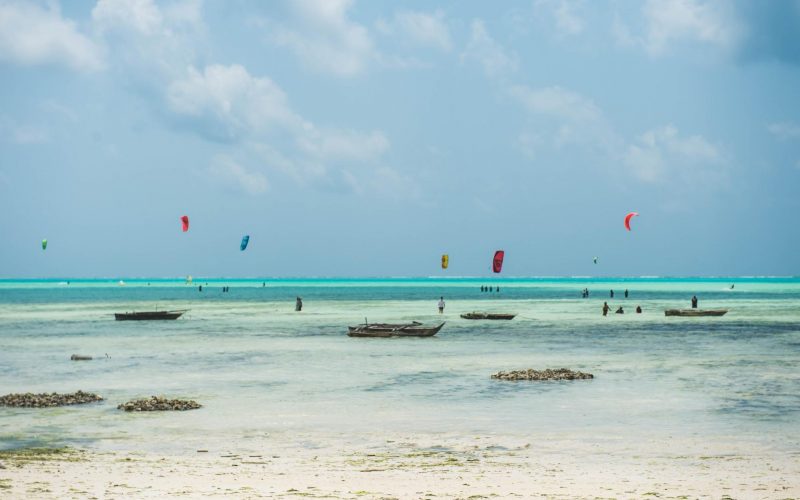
(367, 138)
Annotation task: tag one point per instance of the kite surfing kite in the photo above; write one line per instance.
(445, 261)
(44, 244)
(628, 220)
(185, 222)
(245, 241)
(497, 262)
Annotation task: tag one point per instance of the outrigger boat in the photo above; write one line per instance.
(413, 329)
(149, 315)
(484, 315)
(695, 312)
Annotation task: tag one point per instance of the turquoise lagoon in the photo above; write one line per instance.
(267, 374)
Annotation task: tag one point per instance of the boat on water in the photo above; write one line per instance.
(413, 329)
(485, 315)
(149, 315)
(695, 312)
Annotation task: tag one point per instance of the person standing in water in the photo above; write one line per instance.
(605, 308)
(694, 301)
(612, 294)
(626, 293)
(441, 305)
(298, 304)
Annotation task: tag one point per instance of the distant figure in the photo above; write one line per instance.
(441, 305)
(694, 302)
(626, 293)
(200, 288)
(731, 285)
(263, 284)
(612, 294)
(587, 293)
(638, 309)
(498, 289)
(298, 305)
(605, 308)
(619, 311)
(483, 288)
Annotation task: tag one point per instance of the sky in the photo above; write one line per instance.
(354, 138)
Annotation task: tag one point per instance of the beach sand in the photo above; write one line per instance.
(413, 466)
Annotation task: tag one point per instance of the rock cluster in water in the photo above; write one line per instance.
(548, 374)
(156, 403)
(29, 400)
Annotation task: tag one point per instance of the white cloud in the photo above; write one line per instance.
(483, 49)
(557, 102)
(569, 117)
(663, 154)
(225, 170)
(567, 20)
(228, 103)
(140, 15)
(21, 133)
(420, 28)
(668, 22)
(785, 130)
(31, 35)
(345, 145)
(325, 39)
(234, 102)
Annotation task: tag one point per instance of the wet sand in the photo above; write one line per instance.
(414, 466)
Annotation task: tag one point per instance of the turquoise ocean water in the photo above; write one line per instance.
(263, 371)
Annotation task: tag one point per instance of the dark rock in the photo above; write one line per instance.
(29, 400)
(78, 357)
(548, 374)
(156, 403)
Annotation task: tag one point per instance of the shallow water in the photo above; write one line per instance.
(261, 370)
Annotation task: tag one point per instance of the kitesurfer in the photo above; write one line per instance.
(694, 301)
(731, 286)
(298, 305)
(605, 308)
(638, 309)
(441, 305)
(619, 311)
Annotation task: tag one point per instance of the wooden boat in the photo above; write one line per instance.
(149, 315)
(484, 315)
(414, 329)
(695, 312)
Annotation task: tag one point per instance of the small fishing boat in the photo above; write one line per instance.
(485, 315)
(149, 315)
(413, 329)
(695, 312)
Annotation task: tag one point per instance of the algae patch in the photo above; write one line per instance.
(22, 456)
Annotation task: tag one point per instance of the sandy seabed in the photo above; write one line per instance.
(413, 466)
